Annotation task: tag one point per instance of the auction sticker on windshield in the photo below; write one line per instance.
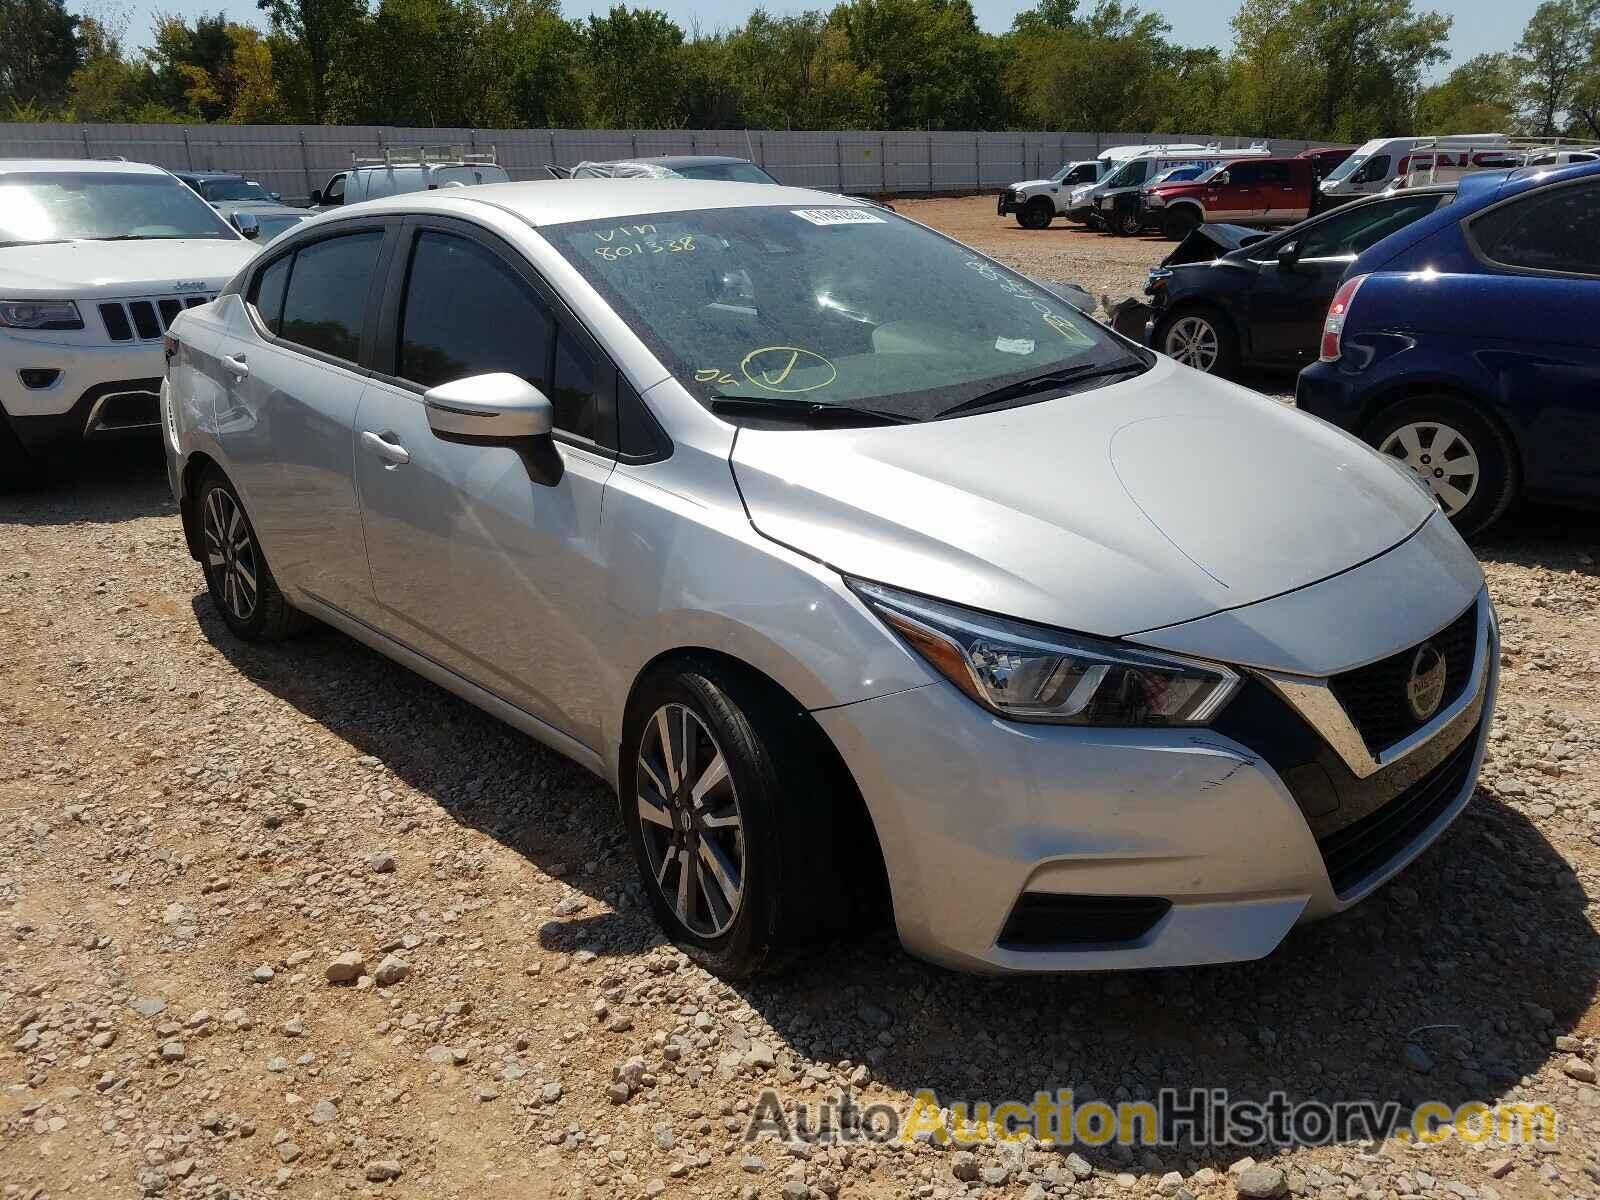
(837, 216)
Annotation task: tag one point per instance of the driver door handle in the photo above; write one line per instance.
(236, 364)
(385, 449)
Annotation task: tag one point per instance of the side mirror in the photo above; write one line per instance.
(497, 407)
(1288, 255)
(246, 224)
(1220, 179)
(316, 197)
(276, 195)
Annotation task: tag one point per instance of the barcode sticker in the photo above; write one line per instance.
(838, 216)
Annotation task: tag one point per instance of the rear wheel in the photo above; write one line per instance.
(1461, 457)
(1179, 223)
(237, 574)
(1036, 214)
(1200, 337)
(731, 817)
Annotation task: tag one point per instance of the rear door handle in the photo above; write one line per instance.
(236, 364)
(385, 449)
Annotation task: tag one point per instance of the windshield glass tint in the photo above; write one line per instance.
(234, 189)
(728, 172)
(62, 206)
(847, 306)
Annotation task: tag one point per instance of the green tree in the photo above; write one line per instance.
(935, 69)
(320, 28)
(39, 51)
(1554, 52)
(1108, 71)
(633, 69)
(1479, 96)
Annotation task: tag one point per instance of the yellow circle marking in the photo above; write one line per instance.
(771, 366)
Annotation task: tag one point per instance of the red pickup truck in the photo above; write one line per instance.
(1250, 191)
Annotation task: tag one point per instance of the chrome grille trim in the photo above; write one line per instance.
(1314, 700)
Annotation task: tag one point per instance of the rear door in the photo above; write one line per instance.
(1286, 187)
(292, 366)
(484, 557)
(1535, 324)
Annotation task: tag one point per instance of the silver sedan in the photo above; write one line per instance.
(869, 573)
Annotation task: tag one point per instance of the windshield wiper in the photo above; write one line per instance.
(1039, 383)
(808, 412)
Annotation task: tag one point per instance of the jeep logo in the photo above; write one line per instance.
(189, 285)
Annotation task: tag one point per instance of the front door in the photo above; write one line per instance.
(1239, 198)
(483, 560)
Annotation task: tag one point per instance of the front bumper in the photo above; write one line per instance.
(1007, 203)
(96, 391)
(1187, 846)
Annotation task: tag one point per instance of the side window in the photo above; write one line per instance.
(1245, 174)
(573, 393)
(1141, 171)
(1375, 168)
(1553, 230)
(266, 294)
(1273, 172)
(325, 304)
(466, 313)
(1349, 233)
(335, 192)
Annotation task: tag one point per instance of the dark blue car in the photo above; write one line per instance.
(1467, 345)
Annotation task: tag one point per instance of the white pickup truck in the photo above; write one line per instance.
(1037, 202)
(404, 171)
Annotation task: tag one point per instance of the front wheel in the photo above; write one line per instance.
(1127, 223)
(1179, 224)
(1466, 463)
(730, 818)
(1036, 214)
(1199, 337)
(237, 575)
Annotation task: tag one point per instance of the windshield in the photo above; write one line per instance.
(233, 189)
(828, 306)
(66, 206)
(1349, 165)
(737, 172)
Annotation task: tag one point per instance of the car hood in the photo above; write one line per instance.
(1143, 504)
(1034, 183)
(70, 270)
(1208, 242)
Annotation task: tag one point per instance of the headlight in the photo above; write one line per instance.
(1031, 673)
(40, 314)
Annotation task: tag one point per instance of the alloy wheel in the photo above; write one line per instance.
(1193, 341)
(231, 554)
(1441, 457)
(690, 818)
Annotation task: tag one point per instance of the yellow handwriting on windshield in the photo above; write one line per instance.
(787, 369)
(714, 375)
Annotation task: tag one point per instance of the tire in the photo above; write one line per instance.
(1126, 222)
(231, 556)
(20, 471)
(779, 854)
(1036, 214)
(1179, 224)
(1202, 338)
(1431, 434)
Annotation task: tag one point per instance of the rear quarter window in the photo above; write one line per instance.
(1555, 230)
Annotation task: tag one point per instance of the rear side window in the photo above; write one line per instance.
(1557, 229)
(467, 313)
(1272, 172)
(267, 293)
(325, 305)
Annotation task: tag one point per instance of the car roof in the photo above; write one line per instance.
(557, 201)
(1522, 178)
(87, 166)
(209, 175)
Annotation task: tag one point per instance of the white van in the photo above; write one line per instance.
(1373, 167)
(1434, 163)
(1037, 202)
(400, 171)
(1084, 202)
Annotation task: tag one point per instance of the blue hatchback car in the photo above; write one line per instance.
(1467, 345)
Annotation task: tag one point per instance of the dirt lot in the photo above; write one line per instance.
(195, 831)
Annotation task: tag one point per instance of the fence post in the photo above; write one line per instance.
(635, 139)
(553, 158)
(188, 150)
(693, 145)
(305, 162)
(883, 161)
(838, 159)
(86, 152)
(930, 166)
(977, 162)
(1062, 152)
(762, 142)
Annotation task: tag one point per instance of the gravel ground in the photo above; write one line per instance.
(199, 834)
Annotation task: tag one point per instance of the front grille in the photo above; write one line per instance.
(1374, 696)
(1358, 851)
(124, 319)
(1044, 920)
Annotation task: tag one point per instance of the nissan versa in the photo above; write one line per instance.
(851, 559)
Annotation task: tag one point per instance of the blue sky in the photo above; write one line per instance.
(1480, 25)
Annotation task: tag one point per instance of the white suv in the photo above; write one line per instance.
(96, 258)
